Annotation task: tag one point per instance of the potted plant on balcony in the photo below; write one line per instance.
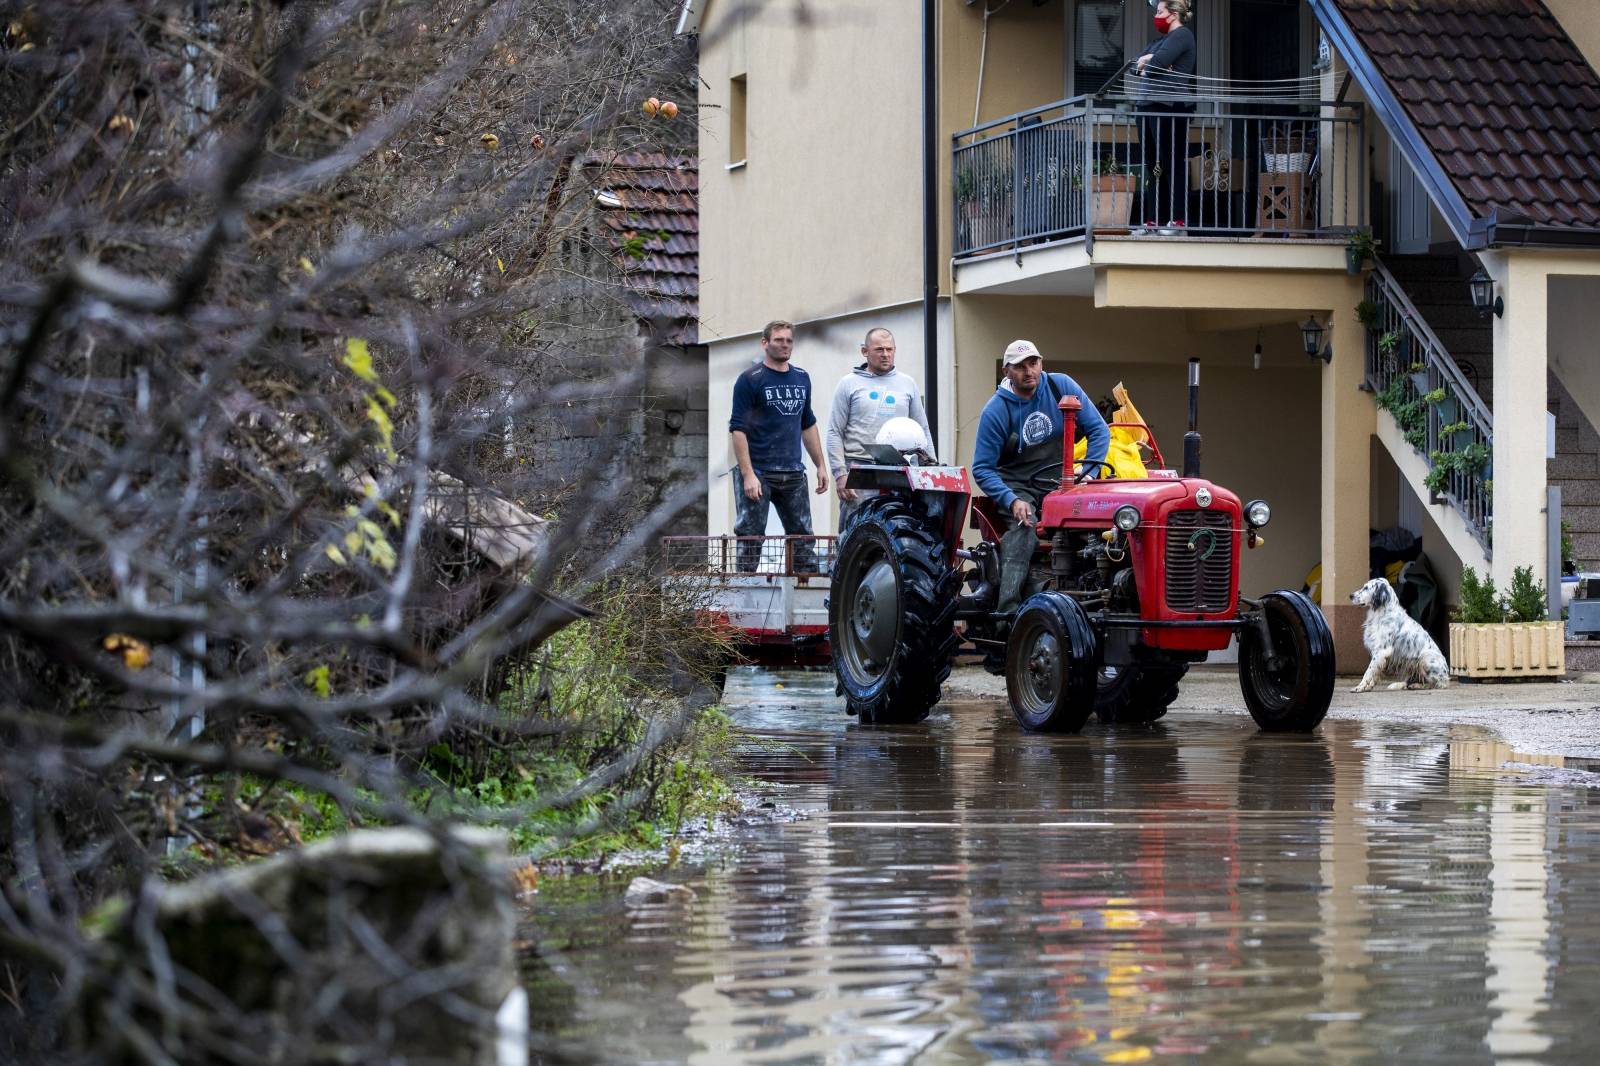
(966, 190)
(1111, 192)
(1367, 313)
(1360, 247)
(1495, 636)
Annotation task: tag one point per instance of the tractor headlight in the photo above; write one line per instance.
(1126, 518)
(1257, 513)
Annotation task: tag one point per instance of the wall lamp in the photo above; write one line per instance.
(1311, 338)
(1483, 295)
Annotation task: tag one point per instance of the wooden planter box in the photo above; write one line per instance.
(1508, 649)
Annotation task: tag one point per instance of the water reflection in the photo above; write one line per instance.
(1195, 892)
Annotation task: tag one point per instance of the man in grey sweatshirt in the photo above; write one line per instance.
(864, 400)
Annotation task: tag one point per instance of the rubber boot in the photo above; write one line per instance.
(1016, 552)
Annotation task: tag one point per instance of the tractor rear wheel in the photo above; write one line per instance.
(891, 611)
(1288, 686)
(1052, 664)
(1136, 695)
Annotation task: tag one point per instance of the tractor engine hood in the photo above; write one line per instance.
(1091, 505)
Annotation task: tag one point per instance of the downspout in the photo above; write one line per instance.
(930, 219)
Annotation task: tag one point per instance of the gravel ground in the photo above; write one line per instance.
(1534, 717)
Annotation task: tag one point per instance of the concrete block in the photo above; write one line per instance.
(1580, 518)
(683, 446)
(1579, 493)
(1583, 656)
(1586, 548)
(1573, 465)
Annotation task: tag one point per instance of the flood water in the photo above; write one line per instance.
(963, 892)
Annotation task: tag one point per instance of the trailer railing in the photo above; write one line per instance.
(727, 556)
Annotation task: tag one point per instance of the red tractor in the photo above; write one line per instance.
(1131, 581)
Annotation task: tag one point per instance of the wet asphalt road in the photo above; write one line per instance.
(1196, 892)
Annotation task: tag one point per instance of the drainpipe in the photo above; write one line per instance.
(930, 219)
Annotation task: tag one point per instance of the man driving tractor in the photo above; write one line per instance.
(1017, 458)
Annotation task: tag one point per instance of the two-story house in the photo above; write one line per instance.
(970, 171)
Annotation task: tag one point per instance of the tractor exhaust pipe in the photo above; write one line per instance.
(1069, 407)
(1191, 439)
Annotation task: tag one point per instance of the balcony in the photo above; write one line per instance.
(1254, 165)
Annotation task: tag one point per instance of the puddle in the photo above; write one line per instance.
(964, 892)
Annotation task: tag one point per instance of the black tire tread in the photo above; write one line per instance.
(1315, 691)
(1142, 698)
(1081, 645)
(929, 586)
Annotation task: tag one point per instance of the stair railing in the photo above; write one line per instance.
(1438, 412)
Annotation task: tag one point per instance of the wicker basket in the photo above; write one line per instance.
(1286, 154)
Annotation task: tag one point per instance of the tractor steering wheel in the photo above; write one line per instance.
(1080, 478)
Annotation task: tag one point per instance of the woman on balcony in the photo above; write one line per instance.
(1166, 97)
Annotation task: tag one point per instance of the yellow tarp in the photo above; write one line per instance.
(1123, 453)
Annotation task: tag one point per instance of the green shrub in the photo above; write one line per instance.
(1527, 601)
(1480, 602)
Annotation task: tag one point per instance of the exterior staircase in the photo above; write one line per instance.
(1576, 468)
(1422, 306)
(1437, 288)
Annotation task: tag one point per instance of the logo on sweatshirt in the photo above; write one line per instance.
(1035, 428)
(785, 399)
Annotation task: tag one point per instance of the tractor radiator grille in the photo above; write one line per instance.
(1194, 583)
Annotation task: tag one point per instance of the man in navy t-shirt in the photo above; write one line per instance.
(771, 419)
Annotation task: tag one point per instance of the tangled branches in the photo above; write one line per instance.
(286, 286)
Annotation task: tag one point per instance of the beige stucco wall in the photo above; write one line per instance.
(825, 216)
(1577, 17)
(1260, 427)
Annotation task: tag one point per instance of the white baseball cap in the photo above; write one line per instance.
(1019, 350)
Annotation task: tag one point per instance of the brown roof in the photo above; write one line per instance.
(649, 206)
(1501, 96)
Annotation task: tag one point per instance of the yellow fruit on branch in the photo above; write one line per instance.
(651, 106)
(669, 110)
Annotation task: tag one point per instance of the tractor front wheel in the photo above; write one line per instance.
(891, 611)
(1136, 695)
(1288, 676)
(1052, 664)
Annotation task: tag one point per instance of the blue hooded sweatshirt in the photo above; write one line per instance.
(1011, 431)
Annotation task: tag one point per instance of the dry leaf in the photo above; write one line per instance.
(135, 652)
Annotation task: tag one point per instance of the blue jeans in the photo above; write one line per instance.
(786, 489)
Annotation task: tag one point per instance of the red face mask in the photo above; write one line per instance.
(1163, 22)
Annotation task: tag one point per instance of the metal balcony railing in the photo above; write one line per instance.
(1228, 163)
(1440, 415)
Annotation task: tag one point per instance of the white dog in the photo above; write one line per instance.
(1398, 645)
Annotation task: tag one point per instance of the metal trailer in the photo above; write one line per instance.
(768, 593)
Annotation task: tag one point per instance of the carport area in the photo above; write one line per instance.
(1284, 427)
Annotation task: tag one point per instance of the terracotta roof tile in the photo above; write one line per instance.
(649, 208)
(1500, 94)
